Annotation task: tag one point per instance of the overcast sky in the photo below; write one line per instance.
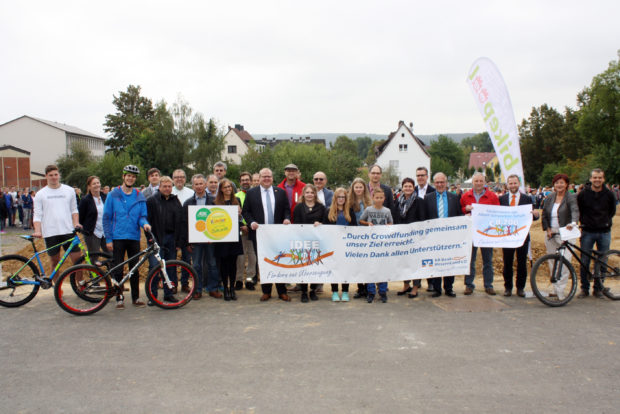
(288, 66)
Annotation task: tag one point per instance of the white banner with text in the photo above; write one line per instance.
(297, 253)
(500, 226)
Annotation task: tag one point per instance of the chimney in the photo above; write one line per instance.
(239, 127)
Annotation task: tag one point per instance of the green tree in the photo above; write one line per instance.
(599, 119)
(161, 146)
(343, 161)
(541, 141)
(363, 145)
(207, 144)
(257, 158)
(371, 157)
(74, 168)
(478, 143)
(134, 114)
(446, 149)
(110, 169)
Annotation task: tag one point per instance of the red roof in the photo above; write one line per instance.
(243, 134)
(477, 158)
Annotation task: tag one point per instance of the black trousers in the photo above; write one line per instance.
(131, 247)
(228, 271)
(509, 255)
(304, 287)
(345, 287)
(448, 282)
(266, 287)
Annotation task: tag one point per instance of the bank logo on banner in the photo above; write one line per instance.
(300, 253)
(213, 224)
(427, 262)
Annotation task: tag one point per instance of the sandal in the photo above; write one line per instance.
(402, 292)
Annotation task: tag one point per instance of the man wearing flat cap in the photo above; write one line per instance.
(292, 185)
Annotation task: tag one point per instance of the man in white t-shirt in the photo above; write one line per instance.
(56, 215)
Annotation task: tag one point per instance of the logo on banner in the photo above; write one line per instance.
(215, 223)
(427, 262)
(501, 230)
(301, 253)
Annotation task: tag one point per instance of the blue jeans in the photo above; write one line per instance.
(207, 273)
(372, 289)
(603, 241)
(487, 267)
(167, 252)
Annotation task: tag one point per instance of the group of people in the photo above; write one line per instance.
(113, 223)
(15, 208)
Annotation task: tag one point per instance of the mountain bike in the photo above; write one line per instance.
(554, 280)
(96, 285)
(21, 278)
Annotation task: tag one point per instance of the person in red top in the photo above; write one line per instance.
(293, 186)
(481, 195)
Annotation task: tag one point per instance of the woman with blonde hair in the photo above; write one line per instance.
(340, 215)
(358, 199)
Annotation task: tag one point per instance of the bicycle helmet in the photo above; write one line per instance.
(131, 169)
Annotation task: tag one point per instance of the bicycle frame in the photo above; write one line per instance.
(42, 279)
(152, 250)
(571, 248)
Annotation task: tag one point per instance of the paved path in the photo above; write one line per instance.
(509, 355)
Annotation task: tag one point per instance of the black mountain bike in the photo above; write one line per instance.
(554, 280)
(96, 285)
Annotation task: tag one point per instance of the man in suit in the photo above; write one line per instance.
(423, 187)
(374, 181)
(153, 176)
(324, 194)
(516, 198)
(266, 204)
(439, 204)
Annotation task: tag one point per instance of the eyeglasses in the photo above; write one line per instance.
(178, 177)
(319, 179)
(341, 197)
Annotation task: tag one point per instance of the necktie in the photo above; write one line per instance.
(440, 207)
(269, 207)
(513, 201)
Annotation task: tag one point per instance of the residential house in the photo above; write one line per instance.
(402, 153)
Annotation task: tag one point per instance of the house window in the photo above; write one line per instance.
(232, 149)
(402, 147)
(402, 134)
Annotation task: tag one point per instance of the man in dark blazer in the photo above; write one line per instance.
(374, 181)
(516, 198)
(423, 188)
(429, 211)
(266, 204)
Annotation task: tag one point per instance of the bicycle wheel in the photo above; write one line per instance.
(557, 289)
(163, 297)
(609, 269)
(99, 259)
(97, 285)
(17, 277)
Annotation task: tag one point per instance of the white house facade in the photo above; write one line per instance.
(236, 143)
(403, 153)
(46, 140)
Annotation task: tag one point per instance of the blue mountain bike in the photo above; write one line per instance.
(21, 278)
